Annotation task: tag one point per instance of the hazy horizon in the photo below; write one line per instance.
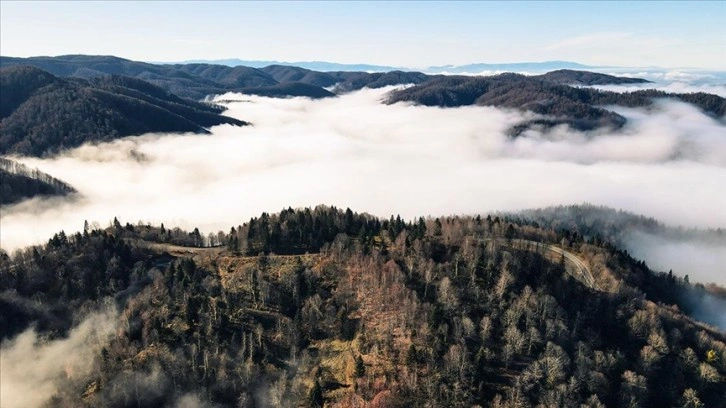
(637, 34)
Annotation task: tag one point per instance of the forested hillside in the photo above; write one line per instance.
(43, 114)
(574, 77)
(196, 81)
(20, 182)
(604, 224)
(321, 306)
(580, 108)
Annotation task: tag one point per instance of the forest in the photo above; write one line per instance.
(18, 183)
(42, 114)
(327, 307)
(580, 108)
(196, 81)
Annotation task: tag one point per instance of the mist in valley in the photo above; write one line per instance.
(668, 162)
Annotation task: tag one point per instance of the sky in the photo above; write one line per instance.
(406, 34)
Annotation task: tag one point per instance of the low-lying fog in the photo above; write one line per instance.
(353, 151)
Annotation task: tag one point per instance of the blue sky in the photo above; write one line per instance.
(411, 34)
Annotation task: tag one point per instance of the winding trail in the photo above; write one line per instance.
(577, 267)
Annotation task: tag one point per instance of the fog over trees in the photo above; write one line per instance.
(152, 273)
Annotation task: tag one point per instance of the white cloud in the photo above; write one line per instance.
(703, 260)
(33, 368)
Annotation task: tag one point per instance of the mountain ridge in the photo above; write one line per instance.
(550, 95)
(323, 306)
(19, 183)
(99, 109)
(198, 80)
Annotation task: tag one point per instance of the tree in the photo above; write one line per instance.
(690, 399)
(316, 396)
(233, 241)
(360, 368)
(633, 389)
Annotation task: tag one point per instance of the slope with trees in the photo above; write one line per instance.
(199, 80)
(42, 114)
(322, 306)
(580, 108)
(19, 183)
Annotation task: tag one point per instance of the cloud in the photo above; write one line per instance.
(668, 162)
(672, 81)
(701, 259)
(33, 368)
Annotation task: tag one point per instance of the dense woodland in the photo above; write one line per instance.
(580, 108)
(325, 307)
(43, 114)
(586, 78)
(18, 182)
(196, 81)
(604, 224)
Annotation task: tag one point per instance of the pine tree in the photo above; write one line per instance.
(360, 368)
(316, 396)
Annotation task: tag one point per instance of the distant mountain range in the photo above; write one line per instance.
(312, 65)
(196, 81)
(454, 69)
(545, 66)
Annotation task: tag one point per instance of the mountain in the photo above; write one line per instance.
(42, 114)
(344, 81)
(286, 73)
(323, 66)
(547, 95)
(586, 78)
(197, 81)
(558, 96)
(290, 89)
(20, 183)
(605, 224)
(507, 67)
(326, 307)
(190, 81)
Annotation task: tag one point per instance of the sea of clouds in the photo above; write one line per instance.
(668, 162)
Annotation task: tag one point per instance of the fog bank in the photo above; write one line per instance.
(702, 260)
